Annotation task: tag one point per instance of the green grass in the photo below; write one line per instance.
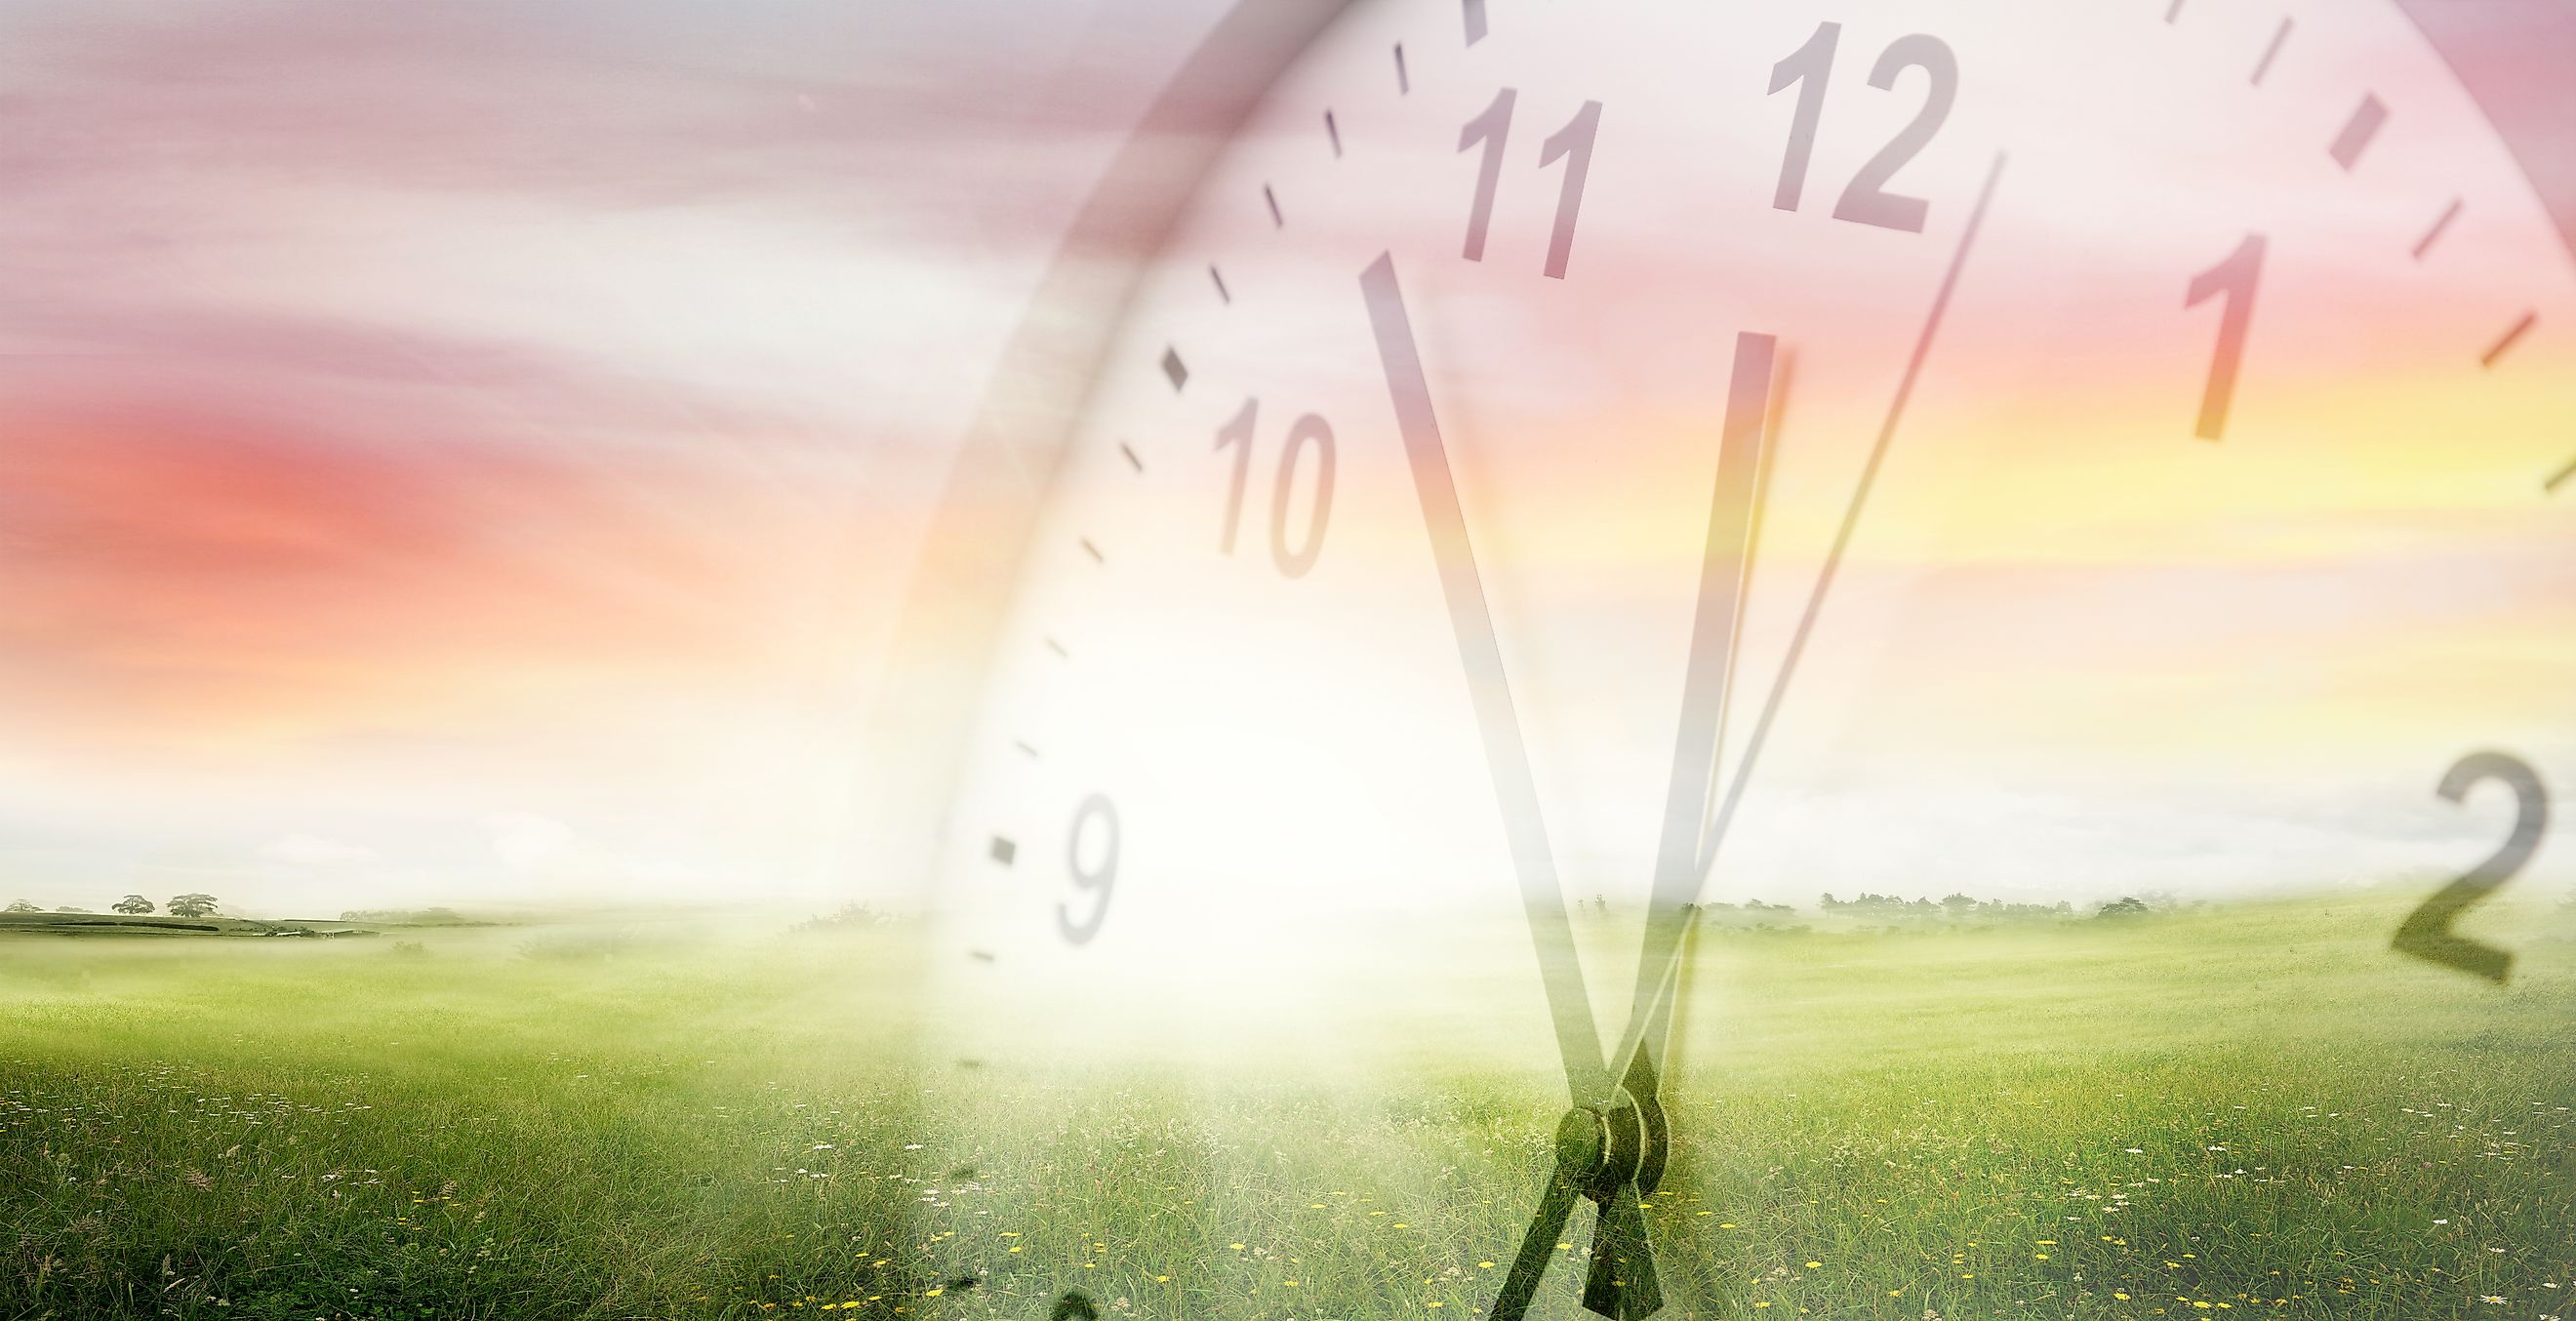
(2256, 1108)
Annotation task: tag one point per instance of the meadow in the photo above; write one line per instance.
(2228, 1111)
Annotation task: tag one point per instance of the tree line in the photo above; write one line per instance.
(191, 904)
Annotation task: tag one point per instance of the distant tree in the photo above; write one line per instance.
(1959, 905)
(1831, 901)
(848, 917)
(20, 906)
(192, 905)
(2124, 907)
(68, 908)
(134, 904)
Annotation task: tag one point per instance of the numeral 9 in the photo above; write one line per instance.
(1103, 879)
(1308, 431)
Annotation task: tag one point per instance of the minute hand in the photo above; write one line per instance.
(1676, 886)
(1506, 756)
(1716, 624)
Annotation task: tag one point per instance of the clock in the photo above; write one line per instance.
(1487, 482)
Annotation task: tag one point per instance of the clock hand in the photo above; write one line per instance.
(1673, 889)
(1654, 1062)
(1579, 1147)
(1597, 1157)
(1622, 1280)
(1578, 1040)
(1600, 1149)
(1716, 627)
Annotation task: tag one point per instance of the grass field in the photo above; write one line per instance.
(2231, 1111)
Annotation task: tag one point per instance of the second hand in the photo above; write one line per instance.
(1656, 966)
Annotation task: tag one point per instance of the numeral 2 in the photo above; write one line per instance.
(1865, 199)
(1309, 430)
(1491, 128)
(2426, 932)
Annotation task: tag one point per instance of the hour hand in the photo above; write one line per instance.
(1622, 1283)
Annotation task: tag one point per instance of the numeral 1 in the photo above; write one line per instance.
(1574, 143)
(1490, 127)
(1808, 67)
(2234, 279)
(1238, 433)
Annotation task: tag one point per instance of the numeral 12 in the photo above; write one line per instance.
(1864, 200)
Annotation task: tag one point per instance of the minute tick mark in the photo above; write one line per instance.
(2272, 52)
(1403, 82)
(1132, 461)
(2556, 479)
(1277, 221)
(1223, 295)
(2488, 359)
(1333, 131)
(1058, 649)
(2425, 244)
(1091, 550)
(1173, 370)
(1475, 21)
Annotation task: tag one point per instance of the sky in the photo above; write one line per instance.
(473, 452)
(477, 454)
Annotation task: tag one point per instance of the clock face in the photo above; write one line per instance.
(2047, 454)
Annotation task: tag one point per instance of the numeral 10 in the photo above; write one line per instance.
(1308, 431)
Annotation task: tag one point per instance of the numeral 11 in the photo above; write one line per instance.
(1491, 128)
